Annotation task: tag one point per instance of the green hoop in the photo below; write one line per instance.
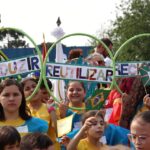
(120, 49)
(50, 49)
(39, 54)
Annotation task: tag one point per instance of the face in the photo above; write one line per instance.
(45, 95)
(12, 147)
(10, 98)
(100, 49)
(140, 132)
(29, 87)
(97, 129)
(75, 92)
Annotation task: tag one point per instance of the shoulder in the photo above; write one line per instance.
(115, 128)
(37, 125)
(83, 144)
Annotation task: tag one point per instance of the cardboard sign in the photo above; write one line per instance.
(64, 125)
(19, 66)
(68, 71)
(77, 72)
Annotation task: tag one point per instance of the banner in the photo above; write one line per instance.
(77, 72)
(70, 72)
(19, 66)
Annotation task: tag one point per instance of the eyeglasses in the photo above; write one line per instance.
(141, 138)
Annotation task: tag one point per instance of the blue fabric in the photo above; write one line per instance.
(36, 125)
(116, 135)
(73, 133)
(76, 118)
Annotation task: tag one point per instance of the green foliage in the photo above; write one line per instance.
(133, 20)
(12, 39)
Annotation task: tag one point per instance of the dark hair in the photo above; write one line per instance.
(42, 86)
(8, 136)
(91, 113)
(35, 140)
(23, 109)
(23, 82)
(75, 53)
(107, 41)
(145, 116)
(82, 84)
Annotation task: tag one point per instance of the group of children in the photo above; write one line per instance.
(89, 130)
(32, 124)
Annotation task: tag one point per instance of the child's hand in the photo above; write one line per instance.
(65, 140)
(146, 101)
(89, 122)
(63, 107)
(50, 104)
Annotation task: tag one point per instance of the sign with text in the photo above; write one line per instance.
(19, 66)
(76, 72)
(68, 71)
(130, 68)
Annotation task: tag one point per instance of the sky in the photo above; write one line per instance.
(36, 17)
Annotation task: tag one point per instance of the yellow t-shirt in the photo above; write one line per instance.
(43, 113)
(16, 123)
(84, 144)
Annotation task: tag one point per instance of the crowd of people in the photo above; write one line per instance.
(122, 123)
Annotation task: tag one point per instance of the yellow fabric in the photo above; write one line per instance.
(143, 108)
(15, 123)
(78, 111)
(43, 113)
(117, 100)
(84, 144)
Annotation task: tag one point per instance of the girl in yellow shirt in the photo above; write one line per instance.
(93, 126)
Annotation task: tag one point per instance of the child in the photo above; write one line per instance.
(93, 126)
(140, 131)
(13, 110)
(36, 141)
(75, 97)
(9, 138)
(76, 94)
(44, 92)
(37, 107)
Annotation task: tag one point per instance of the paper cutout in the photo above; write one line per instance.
(64, 125)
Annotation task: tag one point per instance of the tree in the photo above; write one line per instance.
(12, 39)
(133, 20)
